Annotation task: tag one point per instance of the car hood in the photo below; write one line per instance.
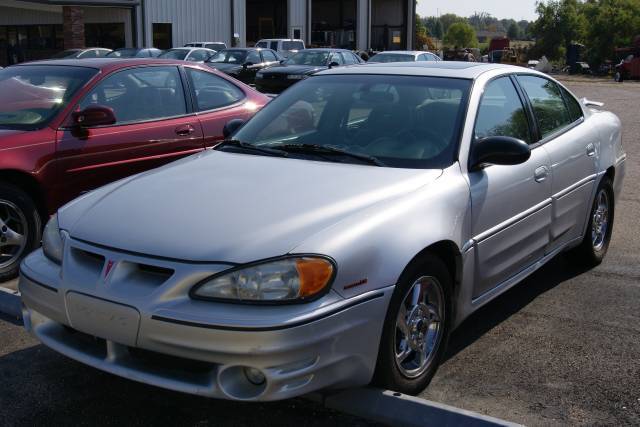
(293, 69)
(227, 68)
(218, 206)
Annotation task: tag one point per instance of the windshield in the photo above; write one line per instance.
(392, 57)
(174, 54)
(229, 56)
(215, 46)
(31, 96)
(123, 53)
(309, 57)
(403, 121)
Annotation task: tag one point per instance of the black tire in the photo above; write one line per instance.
(387, 374)
(12, 197)
(618, 77)
(588, 253)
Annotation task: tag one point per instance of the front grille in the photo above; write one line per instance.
(166, 362)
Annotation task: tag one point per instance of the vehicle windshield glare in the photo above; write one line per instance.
(32, 95)
(229, 57)
(179, 54)
(123, 53)
(309, 57)
(402, 121)
(392, 57)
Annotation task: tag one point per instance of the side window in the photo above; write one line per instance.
(140, 94)
(269, 56)
(349, 59)
(274, 46)
(198, 55)
(213, 92)
(336, 57)
(423, 57)
(262, 44)
(574, 107)
(434, 57)
(253, 57)
(88, 54)
(549, 107)
(501, 112)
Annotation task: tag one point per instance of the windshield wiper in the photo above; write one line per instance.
(250, 147)
(327, 149)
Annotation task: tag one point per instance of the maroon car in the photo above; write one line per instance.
(69, 126)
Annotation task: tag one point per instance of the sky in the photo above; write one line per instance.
(516, 9)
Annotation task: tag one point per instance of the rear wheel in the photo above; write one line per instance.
(20, 229)
(416, 327)
(595, 244)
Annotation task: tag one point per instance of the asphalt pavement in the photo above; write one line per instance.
(561, 348)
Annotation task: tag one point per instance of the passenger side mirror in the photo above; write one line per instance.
(333, 64)
(95, 115)
(231, 127)
(498, 150)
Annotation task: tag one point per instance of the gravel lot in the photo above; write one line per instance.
(561, 348)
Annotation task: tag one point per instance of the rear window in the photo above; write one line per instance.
(292, 45)
(392, 57)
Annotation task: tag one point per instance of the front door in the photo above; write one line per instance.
(153, 126)
(511, 207)
(572, 147)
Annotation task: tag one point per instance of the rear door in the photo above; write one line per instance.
(155, 125)
(572, 145)
(216, 101)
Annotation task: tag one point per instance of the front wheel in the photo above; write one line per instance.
(417, 327)
(20, 229)
(596, 241)
(618, 77)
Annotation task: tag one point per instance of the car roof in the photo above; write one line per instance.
(104, 64)
(453, 69)
(404, 52)
(325, 49)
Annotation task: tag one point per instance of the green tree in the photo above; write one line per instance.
(514, 31)
(461, 34)
(449, 19)
(559, 23)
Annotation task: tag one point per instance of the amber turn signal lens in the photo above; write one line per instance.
(314, 275)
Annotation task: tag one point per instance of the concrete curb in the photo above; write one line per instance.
(10, 302)
(397, 409)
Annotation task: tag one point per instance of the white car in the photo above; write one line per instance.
(191, 54)
(217, 46)
(285, 47)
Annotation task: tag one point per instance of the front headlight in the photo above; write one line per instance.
(297, 76)
(52, 243)
(291, 279)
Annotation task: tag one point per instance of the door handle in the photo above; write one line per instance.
(591, 150)
(541, 174)
(185, 130)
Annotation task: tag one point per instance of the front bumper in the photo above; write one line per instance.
(164, 339)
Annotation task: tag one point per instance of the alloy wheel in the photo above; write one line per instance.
(600, 221)
(13, 233)
(419, 326)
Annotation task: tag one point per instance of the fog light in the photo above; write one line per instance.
(254, 376)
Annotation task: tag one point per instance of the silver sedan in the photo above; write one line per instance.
(334, 240)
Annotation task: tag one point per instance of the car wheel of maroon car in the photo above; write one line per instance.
(20, 229)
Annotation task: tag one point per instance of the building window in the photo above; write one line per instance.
(333, 23)
(20, 43)
(162, 35)
(389, 24)
(107, 35)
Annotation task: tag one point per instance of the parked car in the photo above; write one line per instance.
(93, 52)
(404, 56)
(243, 63)
(338, 236)
(217, 46)
(127, 52)
(628, 68)
(285, 47)
(69, 126)
(300, 66)
(190, 54)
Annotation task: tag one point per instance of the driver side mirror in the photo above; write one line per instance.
(333, 64)
(247, 65)
(95, 115)
(498, 150)
(231, 127)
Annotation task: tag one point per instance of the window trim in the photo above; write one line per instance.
(557, 133)
(188, 106)
(475, 120)
(194, 99)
